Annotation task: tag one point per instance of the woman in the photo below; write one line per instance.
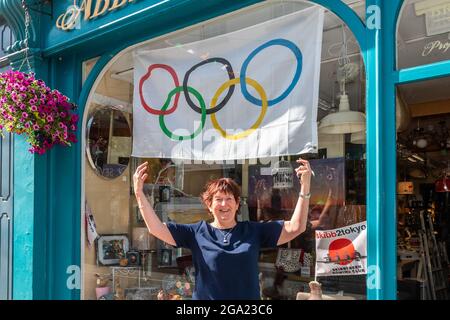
(225, 252)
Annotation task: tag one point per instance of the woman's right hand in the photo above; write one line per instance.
(139, 177)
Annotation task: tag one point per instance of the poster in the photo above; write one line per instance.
(342, 251)
(278, 202)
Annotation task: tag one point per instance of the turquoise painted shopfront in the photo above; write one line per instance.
(50, 190)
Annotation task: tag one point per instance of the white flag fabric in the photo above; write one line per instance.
(343, 251)
(246, 94)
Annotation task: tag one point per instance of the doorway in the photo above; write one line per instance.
(423, 189)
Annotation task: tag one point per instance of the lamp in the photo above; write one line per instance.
(443, 184)
(358, 137)
(345, 120)
(405, 187)
(420, 138)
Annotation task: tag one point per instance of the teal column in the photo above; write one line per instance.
(64, 227)
(381, 149)
(377, 41)
(30, 209)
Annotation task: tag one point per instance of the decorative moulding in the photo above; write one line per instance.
(14, 15)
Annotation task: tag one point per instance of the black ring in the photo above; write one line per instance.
(229, 93)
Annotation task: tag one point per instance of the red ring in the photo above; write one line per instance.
(175, 80)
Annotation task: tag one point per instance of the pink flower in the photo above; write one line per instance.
(22, 95)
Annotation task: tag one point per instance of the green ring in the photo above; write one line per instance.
(166, 131)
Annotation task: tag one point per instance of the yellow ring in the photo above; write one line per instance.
(264, 106)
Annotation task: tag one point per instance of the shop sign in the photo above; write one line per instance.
(436, 45)
(342, 251)
(92, 9)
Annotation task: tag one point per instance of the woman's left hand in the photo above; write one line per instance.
(304, 171)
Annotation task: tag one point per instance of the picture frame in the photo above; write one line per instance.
(134, 258)
(165, 258)
(111, 248)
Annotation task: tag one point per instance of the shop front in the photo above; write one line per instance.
(78, 232)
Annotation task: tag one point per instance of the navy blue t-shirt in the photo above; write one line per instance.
(226, 270)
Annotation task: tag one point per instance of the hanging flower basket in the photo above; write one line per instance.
(28, 106)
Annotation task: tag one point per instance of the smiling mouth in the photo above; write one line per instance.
(224, 212)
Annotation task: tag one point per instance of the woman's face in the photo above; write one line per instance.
(223, 207)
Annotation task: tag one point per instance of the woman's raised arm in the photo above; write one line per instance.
(154, 224)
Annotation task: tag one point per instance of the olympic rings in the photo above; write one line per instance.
(243, 80)
(203, 118)
(230, 72)
(281, 42)
(264, 106)
(175, 80)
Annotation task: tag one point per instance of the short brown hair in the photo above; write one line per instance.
(225, 185)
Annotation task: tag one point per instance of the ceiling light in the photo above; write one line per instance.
(405, 187)
(343, 121)
(412, 159)
(358, 137)
(421, 143)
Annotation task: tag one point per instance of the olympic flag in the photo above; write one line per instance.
(246, 94)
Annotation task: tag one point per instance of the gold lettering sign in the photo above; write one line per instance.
(117, 4)
(92, 9)
(435, 45)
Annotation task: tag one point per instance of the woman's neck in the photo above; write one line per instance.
(223, 225)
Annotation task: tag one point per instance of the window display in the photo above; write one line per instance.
(423, 192)
(152, 269)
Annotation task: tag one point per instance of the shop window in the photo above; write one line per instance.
(134, 265)
(423, 33)
(423, 193)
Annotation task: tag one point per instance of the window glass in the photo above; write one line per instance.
(423, 32)
(423, 185)
(338, 199)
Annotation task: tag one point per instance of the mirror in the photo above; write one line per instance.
(108, 142)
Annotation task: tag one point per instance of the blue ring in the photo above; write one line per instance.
(281, 42)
